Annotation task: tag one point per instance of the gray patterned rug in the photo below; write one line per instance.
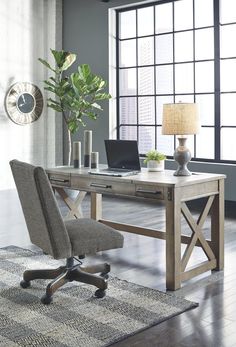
(76, 318)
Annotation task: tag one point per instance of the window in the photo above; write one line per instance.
(228, 79)
(171, 51)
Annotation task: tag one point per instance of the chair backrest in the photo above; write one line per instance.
(43, 219)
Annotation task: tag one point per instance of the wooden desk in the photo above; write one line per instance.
(174, 192)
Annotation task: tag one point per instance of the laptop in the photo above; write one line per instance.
(122, 159)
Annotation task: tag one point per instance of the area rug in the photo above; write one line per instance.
(75, 318)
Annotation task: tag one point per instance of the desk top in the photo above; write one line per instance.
(165, 178)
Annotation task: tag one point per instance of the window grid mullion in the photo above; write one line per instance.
(177, 63)
(174, 95)
(194, 73)
(137, 84)
(155, 88)
(117, 76)
(169, 32)
(217, 79)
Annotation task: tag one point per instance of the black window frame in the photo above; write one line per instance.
(216, 61)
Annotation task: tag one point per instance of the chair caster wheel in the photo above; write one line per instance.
(100, 293)
(24, 284)
(104, 275)
(46, 300)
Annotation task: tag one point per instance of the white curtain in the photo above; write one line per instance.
(28, 29)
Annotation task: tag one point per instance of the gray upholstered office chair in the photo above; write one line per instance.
(60, 239)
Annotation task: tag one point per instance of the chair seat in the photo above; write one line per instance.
(88, 236)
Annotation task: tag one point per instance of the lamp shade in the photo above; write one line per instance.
(180, 119)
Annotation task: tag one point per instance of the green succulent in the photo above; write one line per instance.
(154, 155)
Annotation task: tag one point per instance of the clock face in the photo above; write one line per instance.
(24, 103)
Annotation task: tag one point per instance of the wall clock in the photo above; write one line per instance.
(24, 103)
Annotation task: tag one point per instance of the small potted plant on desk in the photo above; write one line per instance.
(155, 160)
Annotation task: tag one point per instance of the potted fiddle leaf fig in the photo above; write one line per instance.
(76, 95)
(155, 160)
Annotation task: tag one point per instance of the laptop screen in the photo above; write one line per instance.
(122, 154)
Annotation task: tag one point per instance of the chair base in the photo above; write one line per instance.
(69, 273)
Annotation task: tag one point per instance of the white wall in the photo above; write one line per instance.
(28, 29)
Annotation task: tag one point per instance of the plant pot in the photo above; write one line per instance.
(154, 165)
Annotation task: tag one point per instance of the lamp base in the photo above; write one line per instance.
(182, 156)
(182, 172)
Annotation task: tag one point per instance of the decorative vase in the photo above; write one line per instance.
(94, 160)
(154, 165)
(87, 147)
(77, 154)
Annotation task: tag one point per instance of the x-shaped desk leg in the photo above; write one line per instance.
(197, 234)
(73, 205)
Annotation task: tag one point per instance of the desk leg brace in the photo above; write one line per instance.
(73, 205)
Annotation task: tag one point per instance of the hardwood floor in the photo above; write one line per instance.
(142, 260)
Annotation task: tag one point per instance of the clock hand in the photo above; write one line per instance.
(23, 97)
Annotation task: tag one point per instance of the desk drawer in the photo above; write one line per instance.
(150, 192)
(60, 180)
(102, 186)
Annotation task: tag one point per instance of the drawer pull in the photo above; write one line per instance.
(155, 192)
(62, 180)
(97, 185)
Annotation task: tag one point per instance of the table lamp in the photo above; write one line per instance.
(181, 119)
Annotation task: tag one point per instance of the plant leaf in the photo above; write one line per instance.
(55, 107)
(50, 89)
(95, 105)
(63, 59)
(73, 125)
(84, 71)
(49, 84)
(44, 62)
(102, 96)
(69, 60)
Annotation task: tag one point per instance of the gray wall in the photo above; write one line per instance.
(85, 32)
